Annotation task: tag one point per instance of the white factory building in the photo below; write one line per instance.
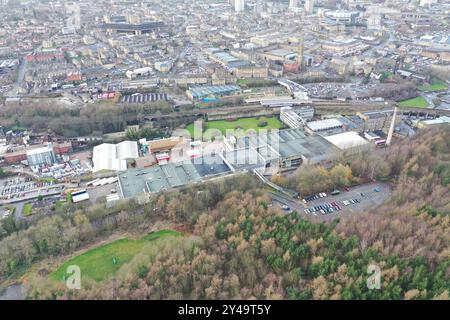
(296, 117)
(41, 156)
(323, 125)
(349, 142)
(290, 118)
(114, 157)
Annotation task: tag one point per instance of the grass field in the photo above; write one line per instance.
(436, 85)
(27, 209)
(418, 102)
(104, 261)
(243, 123)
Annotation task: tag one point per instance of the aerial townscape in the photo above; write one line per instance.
(225, 149)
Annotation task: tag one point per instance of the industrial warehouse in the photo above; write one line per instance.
(134, 182)
(267, 152)
(153, 166)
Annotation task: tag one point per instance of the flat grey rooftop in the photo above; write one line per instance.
(210, 165)
(157, 178)
(171, 175)
(245, 158)
(314, 148)
(288, 143)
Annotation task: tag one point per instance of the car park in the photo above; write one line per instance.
(314, 197)
(357, 199)
(324, 208)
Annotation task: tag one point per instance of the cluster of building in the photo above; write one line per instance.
(42, 155)
(268, 152)
(36, 155)
(151, 166)
(76, 48)
(47, 69)
(299, 117)
(8, 69)
(48, 160)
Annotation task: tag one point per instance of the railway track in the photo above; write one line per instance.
(321, 106)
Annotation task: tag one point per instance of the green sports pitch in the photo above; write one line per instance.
(104, 261)
(241, 123)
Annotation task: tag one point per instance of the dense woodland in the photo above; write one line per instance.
(420, 170)
(310, 179)
(239, 246)
(69, 122)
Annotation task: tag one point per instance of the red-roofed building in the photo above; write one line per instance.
(74, 77)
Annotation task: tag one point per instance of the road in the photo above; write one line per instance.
(20, 76)
(13, 292)
(98, 194)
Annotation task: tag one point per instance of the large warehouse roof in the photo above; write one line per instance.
(39, 150)
(127, 150)
(171, 175)
(113, 156)
(313, 148)
(324, 124)
(347, 140)
(204, 91)
(144, 97)
(291, 142)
